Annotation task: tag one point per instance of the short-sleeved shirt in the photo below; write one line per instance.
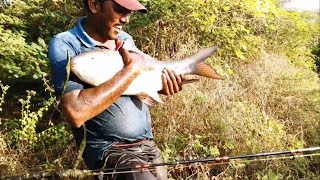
(128, 119)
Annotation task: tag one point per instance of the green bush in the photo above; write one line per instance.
(241, 29)
(316, 53)
(25, 30)
(266, 102)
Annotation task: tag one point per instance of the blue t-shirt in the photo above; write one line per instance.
(128, 119)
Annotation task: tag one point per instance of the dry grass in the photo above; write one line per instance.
(22, 161)
(267, 105)
(10, 162)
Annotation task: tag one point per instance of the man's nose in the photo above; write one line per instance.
(125, 19)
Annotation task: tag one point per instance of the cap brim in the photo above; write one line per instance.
(133, 5)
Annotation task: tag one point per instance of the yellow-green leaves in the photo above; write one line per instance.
(239, 54)
(4, 89)
(241, 29)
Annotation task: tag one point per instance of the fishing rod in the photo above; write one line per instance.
(223, 159)
(139, 168)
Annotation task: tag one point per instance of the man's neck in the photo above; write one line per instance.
(110, 44)
(101, 41)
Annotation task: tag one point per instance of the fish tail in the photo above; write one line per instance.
(203, 54)
(205, 70)
(200, 67)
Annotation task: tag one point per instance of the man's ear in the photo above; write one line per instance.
(94, 6)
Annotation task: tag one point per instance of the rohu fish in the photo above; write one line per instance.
(97, 66)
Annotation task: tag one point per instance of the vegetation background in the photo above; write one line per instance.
(269, 100)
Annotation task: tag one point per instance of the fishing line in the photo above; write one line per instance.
(140, 168)
(100, 172)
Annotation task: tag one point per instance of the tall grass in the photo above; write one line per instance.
(268, 105)
(267, 102)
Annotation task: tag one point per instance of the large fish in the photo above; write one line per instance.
(97, 66)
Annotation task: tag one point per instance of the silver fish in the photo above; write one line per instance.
(97, 66)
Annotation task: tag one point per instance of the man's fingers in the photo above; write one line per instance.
(176, 81)
(169, 82)
(164, 84)
(179, 79)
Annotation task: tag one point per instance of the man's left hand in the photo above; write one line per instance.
(171, 82)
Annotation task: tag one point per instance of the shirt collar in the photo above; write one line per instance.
(82, 35)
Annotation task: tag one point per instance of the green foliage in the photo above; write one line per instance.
(59, 134)
(295, 37)
(19, 59)
(25, 30)
(316, 53)
(4, 90)
(261, 106)
(26, 134)
(241, 29)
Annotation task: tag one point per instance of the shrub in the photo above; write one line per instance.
(263, 105)
(268, 105)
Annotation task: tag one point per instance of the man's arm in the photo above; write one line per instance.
(82, 105)
(171, 82)
(79, 104)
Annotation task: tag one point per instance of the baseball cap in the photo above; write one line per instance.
(133, 5)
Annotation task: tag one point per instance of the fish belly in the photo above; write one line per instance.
(98, 70)
(148, 82)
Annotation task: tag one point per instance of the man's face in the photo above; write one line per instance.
(111, 18)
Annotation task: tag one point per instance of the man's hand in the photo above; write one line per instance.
(81, 105)
(171, 82)
(133, 59)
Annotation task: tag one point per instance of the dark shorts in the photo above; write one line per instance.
(127, 155)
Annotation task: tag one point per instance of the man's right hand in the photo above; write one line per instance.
(171, 82)
(135, 60)
(82, 105)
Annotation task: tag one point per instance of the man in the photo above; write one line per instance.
(117, 128)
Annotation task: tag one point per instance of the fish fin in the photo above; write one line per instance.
(187, 81)
(150, 98)
(68, 70)
(147, 100)
(205, 70)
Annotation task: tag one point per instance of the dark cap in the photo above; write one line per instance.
(133, 5)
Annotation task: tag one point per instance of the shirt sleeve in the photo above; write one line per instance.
(128, 41)
(58, 53)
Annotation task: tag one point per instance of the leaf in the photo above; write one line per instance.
(239, 54)
(226, 8)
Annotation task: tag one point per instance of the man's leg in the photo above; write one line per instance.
(144, 153)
